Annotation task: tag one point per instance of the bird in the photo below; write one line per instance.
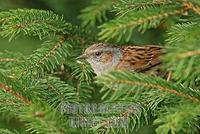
(105, 57)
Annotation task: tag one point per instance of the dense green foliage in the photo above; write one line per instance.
(36, 88)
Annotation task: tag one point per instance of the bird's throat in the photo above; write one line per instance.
(104, 67)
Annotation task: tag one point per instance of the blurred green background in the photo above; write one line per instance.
(70, 9)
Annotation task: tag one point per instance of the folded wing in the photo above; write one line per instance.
(139, 58)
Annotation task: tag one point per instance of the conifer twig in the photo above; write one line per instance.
(158, 87)
(7, 59)
(46, 56)
(9, 90)
(188, 54)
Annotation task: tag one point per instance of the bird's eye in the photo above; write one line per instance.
(98, 54)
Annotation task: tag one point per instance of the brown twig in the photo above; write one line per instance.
(188, 54)
(7, 60)
(49, 54)
(158, 87)
(9, 90)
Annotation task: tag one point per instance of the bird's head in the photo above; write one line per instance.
(101, 56)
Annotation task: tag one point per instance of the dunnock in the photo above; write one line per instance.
(104, 57)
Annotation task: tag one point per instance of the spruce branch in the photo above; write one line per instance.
(32, 93)
(183, 32)
(95, 13)
(123, 7)
(84, 91)
(123, 27)
(53, 91)
(46, 58)
(40, 118)
(188, 54)
(131, 118)
(10, 105)
(155, 93)
(9, 90)
(184, 55)
(9, 59)
(37, 117)
(82, 72)
(150, 99)
(6, 131)
(180, 119)
(31, 22)
(129, 80)
(12, 87)
(79, 75)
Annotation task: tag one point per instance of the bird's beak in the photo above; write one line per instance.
(83, 56)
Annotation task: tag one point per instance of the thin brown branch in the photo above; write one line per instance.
(9, 90)
(156, 17)
(51, 53)
(7, 60)
(26, 24)
(141, 4)
(186, 6)
(188, 54)
(172, 91)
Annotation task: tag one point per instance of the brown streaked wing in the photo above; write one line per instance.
(139, 58)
